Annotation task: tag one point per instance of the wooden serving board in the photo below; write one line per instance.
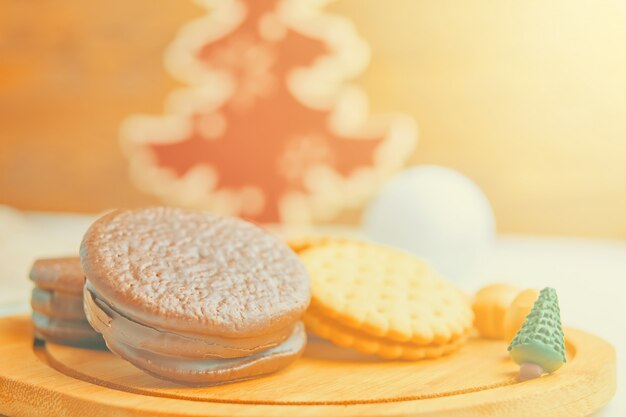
(478, 380)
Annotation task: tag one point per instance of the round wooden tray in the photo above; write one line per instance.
(478, 380)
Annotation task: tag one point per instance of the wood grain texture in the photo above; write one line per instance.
(327, 381)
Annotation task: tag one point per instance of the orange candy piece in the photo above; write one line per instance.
(517, 312)
(500, 310)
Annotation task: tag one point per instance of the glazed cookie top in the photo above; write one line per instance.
(194, 271)
(58, 274)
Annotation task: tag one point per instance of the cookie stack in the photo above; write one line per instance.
(381, 301)
(57, 303)
(193, 297)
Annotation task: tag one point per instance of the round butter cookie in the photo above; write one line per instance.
(388, 299)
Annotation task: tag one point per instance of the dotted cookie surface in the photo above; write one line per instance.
(195, 271)
(385, 293)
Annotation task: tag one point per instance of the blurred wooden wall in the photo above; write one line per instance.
(70, 71)
(526, 98)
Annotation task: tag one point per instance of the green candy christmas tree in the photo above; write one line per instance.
(539, 345)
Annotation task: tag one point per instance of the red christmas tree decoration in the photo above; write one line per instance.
(269, 127)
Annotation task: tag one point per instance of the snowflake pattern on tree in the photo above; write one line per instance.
(269, 127)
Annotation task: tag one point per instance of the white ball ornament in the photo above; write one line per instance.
(436, 213)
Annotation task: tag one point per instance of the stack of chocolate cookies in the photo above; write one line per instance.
(193, 297)
(57, 303)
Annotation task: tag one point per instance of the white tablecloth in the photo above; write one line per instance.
(589, 275)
